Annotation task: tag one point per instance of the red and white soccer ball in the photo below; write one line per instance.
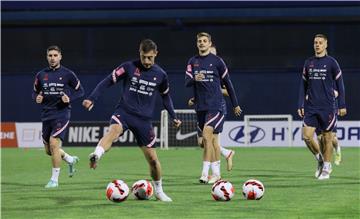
(117, 191)
(222, 190)
(253, 189)
(142, 190)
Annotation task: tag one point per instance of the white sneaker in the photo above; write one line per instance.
(203, 179)
(52, 184)
(72, 169)
(229, 163)
(325, 173)
(214, 179)
(161, 196)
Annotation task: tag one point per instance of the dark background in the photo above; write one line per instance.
(263, 43)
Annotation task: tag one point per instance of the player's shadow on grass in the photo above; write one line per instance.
(19, 184)
(55, 206)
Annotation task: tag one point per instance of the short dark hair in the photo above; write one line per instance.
(201, 34)
(321, 36)
(147, 45)
(53, 47)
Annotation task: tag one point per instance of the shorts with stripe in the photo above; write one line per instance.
(140, 127)
(322, 120)
(54, 128)
(211, 118)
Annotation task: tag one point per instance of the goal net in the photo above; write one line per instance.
(251, 121)
(185, 136)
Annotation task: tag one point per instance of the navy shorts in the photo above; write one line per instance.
(54, 128)
(140, 127)
(214, 119)
(323, 120)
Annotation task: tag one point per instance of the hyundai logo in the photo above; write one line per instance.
(256, 134)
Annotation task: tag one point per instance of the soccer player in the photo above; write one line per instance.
(226, 153)
(319, 75)
(205, 72)
(55, 87)
(142, 80)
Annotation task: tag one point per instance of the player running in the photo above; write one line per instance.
(142, 80)
(320, 73)
(226, 153)
(205, 73)
(55, 87)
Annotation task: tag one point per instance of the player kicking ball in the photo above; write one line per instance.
(142, 79)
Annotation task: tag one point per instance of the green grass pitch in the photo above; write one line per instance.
(291, 191)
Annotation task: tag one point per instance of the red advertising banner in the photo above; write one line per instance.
(8, 135)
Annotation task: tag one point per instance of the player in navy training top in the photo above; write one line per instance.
(226, 153)
(142, 81)
(320, 75)
(54, 88)
(204, 73)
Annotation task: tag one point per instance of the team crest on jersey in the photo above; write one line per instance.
(137, 72)
(210, 65)
(154, 78)
(60, 78)
(46, 77)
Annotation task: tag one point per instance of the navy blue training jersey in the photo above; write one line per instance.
(140, 88)
(52, 84)
(207, 92)
(320, 76)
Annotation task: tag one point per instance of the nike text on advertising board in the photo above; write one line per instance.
(90, 133)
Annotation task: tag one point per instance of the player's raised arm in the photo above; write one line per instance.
(117, 74)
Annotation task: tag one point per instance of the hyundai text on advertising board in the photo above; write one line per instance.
(275, 133)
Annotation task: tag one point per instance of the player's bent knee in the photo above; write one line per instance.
(55, 142)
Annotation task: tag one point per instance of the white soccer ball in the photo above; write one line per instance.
(117, 191)
(142, 190)
(222, 190)
(253, 189)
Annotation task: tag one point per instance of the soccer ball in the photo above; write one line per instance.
(117, 191)
(253, 189)
(222, 190)
(142, 189)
